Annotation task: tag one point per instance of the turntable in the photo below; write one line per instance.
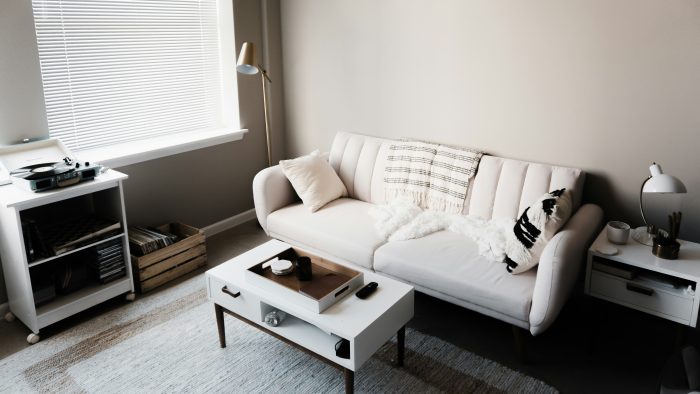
(45, 164)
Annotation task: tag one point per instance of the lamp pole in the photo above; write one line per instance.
(247, 64)
(265, 80)
(650, 229)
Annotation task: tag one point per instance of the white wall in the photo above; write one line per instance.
(609, 86)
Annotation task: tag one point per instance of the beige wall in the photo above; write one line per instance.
(22, 112)
(608, 86)
(200, 187)
(208, 185)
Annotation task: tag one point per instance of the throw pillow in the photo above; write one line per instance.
(536, 226)
(314, 180)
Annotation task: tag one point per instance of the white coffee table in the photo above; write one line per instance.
(367, 324)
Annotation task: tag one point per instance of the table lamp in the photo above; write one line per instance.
(247, 64)
(657, 182)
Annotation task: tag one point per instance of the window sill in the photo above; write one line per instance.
(133, 152)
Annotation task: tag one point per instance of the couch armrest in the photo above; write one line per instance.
(560, 264)
(271, 191)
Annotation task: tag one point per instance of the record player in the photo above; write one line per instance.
(44, 165)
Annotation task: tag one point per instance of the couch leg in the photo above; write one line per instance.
(519, 335)
(681, 336)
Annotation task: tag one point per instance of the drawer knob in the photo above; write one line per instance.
(227, 291)
(639, 289)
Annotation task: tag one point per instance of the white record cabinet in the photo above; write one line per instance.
(103, 197)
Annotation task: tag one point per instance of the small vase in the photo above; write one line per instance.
(304, 270)
(666, 251)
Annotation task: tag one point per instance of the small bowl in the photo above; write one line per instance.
(618, 232)
(281, 267)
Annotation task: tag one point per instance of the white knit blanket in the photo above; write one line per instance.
(402, 220)
(433, 176)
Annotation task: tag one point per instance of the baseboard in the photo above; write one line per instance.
(228, 223)
(4, 308)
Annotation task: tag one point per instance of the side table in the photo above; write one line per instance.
(637, 279)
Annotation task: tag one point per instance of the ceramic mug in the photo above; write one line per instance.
(618, 232)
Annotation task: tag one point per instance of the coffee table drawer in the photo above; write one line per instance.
(641, 296)
(234, 299)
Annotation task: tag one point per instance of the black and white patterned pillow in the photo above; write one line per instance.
(533, 230)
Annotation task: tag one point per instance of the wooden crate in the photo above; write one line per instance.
(163, 265)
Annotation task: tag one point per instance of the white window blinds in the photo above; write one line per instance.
(122, 70)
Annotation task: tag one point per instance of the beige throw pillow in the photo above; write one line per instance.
(314, 180)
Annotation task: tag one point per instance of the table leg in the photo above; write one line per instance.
(400, 343)
(349, 381)
(220, 324)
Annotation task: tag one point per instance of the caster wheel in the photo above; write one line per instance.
(9, 317)
(33, 338)
(130, 296)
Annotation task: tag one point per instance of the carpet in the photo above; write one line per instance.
(167, 342)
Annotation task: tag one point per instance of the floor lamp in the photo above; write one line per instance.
(247, 64)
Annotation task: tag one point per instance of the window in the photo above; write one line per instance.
(125, 70)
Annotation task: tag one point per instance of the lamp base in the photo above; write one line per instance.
(641, 235)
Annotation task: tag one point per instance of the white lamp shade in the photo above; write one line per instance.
(246, 69)
(662, 183)
(246, 63)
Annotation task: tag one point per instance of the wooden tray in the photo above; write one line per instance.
(289, 285)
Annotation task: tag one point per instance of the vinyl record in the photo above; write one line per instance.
(42, 170)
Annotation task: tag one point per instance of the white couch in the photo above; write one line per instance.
(444, 264)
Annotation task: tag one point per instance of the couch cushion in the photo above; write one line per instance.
(449, 263)
(343, 228)
(359, 161)
(501, 187)
(504, 188)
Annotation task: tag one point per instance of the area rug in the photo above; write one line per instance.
(168, 342)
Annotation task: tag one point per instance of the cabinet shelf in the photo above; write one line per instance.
(307, 335)
(649, 283)
(42, 261)
(86, 297)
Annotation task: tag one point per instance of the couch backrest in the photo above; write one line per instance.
(501, 187)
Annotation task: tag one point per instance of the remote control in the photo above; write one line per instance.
(367, 290)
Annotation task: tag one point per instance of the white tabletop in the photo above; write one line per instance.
(14, 196)
(347, 318)
(633, 253)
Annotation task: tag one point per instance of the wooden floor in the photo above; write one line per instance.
(593, 347)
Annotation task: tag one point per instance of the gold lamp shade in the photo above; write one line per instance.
(246, 63)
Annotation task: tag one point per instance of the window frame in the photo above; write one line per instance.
(136, 151)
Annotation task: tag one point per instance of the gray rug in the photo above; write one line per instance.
(168, 342)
